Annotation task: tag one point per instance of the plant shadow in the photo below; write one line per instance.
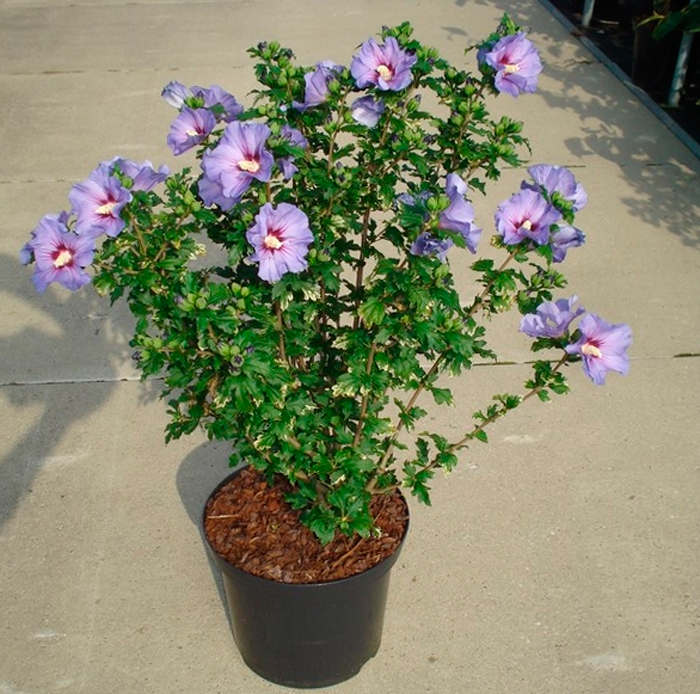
(612, 126)
(60, 351)
(662, 179)
(199, 473)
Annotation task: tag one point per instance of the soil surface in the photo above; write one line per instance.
(250, 524)
(612, 31)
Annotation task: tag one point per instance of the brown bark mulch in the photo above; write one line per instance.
(250, 524)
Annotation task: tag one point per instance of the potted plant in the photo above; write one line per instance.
(668, 16)
(292, 288)
(658, 33)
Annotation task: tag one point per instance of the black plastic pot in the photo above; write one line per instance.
(306, 635)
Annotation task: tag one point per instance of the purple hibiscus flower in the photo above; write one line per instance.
(516, 62)
(280, 237)
(286, 164)
(557, 179)
(427, 244)
(552, 318)
(459, 216)
(367, 110)
(564, 238)
(97, 204)
(144, 177)
(212, 193)
(60, 255)
(239, 158)
(176, 94)
(526, 215)
(386, 66)
(26, 253)
(413, 201)
(602, 346)
(317, 82)
(222, 104)
(190, 128)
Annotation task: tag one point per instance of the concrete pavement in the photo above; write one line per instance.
(563, 558)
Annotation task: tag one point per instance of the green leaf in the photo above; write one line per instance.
(442, 396)
(447, 461)
(348, 384)
(422, 448)
(543, 395)
(480, 435)
(372, 311)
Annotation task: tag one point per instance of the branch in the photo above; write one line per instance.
(487, 289)
(500, 413)
(365, 397)
(280, 325)
(359, 277)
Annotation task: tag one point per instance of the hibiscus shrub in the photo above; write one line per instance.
(329, 209)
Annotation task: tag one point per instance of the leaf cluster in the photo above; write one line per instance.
(317, 377)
